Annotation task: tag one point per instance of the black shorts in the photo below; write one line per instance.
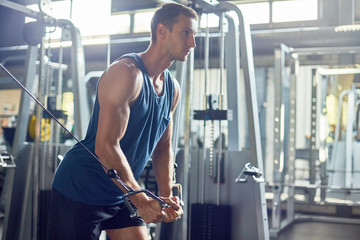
(72, 220)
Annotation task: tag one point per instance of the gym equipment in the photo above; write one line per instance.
(250, 170)
(246, 201)
(315, 153)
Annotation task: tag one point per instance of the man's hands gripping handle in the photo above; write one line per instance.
(134, 213)
(170, 208)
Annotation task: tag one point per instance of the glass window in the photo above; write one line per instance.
(212, 20)
(294, 10)
(142, 21)
(90, 17)
(255, 13)
(119, 24)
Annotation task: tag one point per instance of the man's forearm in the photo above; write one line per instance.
(163, 165)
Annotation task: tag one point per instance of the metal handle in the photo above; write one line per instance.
(250, 170)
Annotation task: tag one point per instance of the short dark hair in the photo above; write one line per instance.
(168, 15)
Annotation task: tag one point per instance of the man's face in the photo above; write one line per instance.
(181, 40)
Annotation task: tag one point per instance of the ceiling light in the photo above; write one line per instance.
(348, 28)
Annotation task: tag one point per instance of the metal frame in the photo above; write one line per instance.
(243, 40)
(33, 168)
(282, 54)
(256, 159)
(315, 152)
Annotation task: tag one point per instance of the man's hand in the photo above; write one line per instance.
(175, 210)
(151, 211)
(148, 208)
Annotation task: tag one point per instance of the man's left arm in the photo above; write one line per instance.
(163, 163)
(163, 155)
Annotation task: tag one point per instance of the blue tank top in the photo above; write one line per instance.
(80, 176)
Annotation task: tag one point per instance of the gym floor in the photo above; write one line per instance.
(320, 231)
(307, 230)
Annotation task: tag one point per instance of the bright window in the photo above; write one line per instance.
(142, 21)
(295, 10)
(255, 13)
(92, 17)
(210, 20)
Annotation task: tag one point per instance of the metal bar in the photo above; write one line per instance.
(187, 147)
(206, 69)
(315, 186)
(349, 138)
(292, 138)
(326, 50)
(20, 137)
(222, 54)
(81, 106)
(58, 106)
(313, 133)
(235, 93)
(281, 54)
(253, 118)
(36, 158)
(177, 116)
(278, 137)
(20, 8)
(324, 129)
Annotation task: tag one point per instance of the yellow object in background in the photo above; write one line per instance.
(45, 128)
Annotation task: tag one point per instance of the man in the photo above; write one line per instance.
(131, 121)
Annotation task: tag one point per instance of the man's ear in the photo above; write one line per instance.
(161, 31)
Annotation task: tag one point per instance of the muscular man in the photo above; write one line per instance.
(131, 121)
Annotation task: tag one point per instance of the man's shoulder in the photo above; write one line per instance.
(125, 63)
(124, 68)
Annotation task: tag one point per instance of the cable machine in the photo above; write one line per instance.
(325, 176)
(245, 197)
(29, 185)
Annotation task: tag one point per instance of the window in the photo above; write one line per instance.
(295, 10)
(92, 18)
(142, 21)
(210, 20)
(256, 13)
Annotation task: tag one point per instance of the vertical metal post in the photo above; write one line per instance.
(313, 135)
(292, 139)
(278, 138)
(324, 132)
(222, 54)
(187, 141)
(180, 76)
(202, 163)
(281, 54)
(58, 106)
(235, 102)
(81, 104)
(20, 137)
(36, 159)
(349, 139)
(253, 118)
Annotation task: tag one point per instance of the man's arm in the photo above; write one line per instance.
(163, 163)
(163, 155)
(118, 89)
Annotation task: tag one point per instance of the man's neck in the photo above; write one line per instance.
(155, 63)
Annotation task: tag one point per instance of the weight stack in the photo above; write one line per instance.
(210, 222)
